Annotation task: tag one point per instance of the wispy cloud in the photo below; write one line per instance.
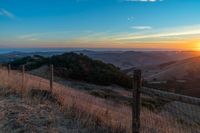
(53, 35)
(181, 32)
(141, 27)
(6, 13)
(143, 0)
(169, 35)
(28, 36)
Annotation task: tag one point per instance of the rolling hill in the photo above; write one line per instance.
(180, 76)
(183, 70)
(129, 59)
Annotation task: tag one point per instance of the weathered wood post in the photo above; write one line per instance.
(136, 101)
(9, 67)
(8, 80)
(23, 77)
(51, 77)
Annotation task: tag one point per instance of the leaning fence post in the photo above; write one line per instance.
(51, 78)
(136, 101)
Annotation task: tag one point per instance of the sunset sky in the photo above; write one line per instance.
(148, 24)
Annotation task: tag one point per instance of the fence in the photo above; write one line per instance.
(181, 111)
(152, 111)
(178, 113)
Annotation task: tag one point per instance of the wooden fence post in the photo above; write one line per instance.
(23, 77)
(136, 101)
(9, 67)
(8, 80)
(51, 77)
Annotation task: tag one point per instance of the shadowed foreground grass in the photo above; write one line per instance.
(90, 110)
(40, 115)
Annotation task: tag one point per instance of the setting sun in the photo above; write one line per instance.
(194, 45)
(198, 46)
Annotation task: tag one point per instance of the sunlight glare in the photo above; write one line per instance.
(197, 48)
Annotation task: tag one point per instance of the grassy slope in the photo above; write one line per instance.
(102, 111)
(182, 69)
(33, 115)
(187, 70)
(112, 92)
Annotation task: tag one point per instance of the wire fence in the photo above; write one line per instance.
(152, 111)
(180, 114)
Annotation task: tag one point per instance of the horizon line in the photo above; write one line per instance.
(97, 49)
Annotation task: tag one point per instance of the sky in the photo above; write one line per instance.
(131, 24)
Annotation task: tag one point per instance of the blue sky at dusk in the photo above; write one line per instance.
(165, 24)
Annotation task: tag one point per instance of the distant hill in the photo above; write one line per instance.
(78, 67)
(122, 59)
(180, 76)
(8, 57)
(184, 69)
(130, 59)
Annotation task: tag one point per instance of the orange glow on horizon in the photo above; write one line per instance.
(188, 45)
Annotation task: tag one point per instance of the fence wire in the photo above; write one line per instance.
(164, 112)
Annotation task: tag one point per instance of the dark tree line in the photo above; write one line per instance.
(78, 67)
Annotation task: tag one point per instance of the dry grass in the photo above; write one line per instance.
(106, 113)
(39, 115)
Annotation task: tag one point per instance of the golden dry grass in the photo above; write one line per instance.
(106, 112)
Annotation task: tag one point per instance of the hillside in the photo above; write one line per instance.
(183, 70)
(77, 67)
(95, 112)
(179, 76)
(129, 59)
